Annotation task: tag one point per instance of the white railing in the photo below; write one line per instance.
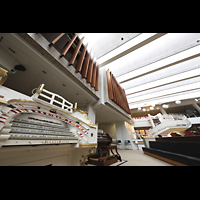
(52, 99)
(170, 122)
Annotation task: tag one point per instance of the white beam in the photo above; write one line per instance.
(165, 92)
(128, 47)
(175, 78)
(157, 65)
(185, 95)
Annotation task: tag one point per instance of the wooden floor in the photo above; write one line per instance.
(138, 158)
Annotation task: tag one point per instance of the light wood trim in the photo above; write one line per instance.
(165, 159)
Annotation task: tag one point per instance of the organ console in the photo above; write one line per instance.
(103, 157)
(44, 118)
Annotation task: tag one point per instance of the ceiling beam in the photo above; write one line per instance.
(166, 99)
(165, 81)
(154, 37)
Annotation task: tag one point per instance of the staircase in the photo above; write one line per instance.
(178, 151)
(168, 123)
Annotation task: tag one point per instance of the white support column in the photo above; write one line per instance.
(91, 112)
(195, 105)
(162, 110)
(122, 134)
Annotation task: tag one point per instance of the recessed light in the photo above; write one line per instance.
(44, 72)
(11, 50)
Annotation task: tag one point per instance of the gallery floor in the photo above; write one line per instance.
(137, 158)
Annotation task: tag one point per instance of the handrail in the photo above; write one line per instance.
(55, 100)
(3, 75)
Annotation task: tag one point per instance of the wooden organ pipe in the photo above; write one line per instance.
(65, 50)
(94, 75)
(85, 66)
(89, 74)
(110, 92)
(56, 39)
(116, 93)
(81, 59)
(97, 79)
(75, 53)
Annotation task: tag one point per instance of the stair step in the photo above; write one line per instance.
(185, 148)
(172, 158)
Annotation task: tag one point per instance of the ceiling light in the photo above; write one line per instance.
(178, 102)
(151, 108)
(139, 108)
(165, 106)
(144, 109)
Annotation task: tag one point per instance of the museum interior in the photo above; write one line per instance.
(99, 99)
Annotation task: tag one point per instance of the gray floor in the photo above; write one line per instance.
(138, 158)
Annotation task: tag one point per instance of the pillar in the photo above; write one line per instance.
(162, 110)
(91, 112)
(122, 134)
(195, 105)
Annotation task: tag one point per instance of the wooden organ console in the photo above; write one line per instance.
(103, 157)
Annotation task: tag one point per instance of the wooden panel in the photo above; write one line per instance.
(56, 39)
(94, 76)
(116, 93)
(89, 74)
(81, 59)
(110, 92)
(85, 66)
(68, 46)
(97, 79)
(74, 55)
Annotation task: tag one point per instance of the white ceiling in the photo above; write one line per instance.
(102, 43)
(151, 67)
